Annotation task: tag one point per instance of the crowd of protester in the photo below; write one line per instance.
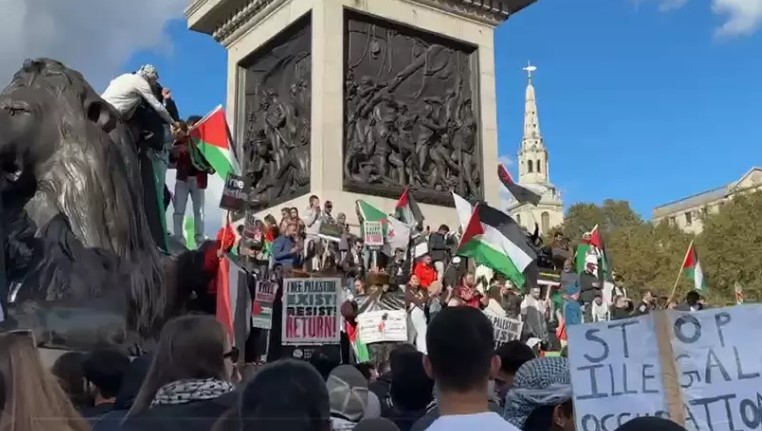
(191, 382)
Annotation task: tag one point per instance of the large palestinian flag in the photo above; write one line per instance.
(493, 239)
(212, 138)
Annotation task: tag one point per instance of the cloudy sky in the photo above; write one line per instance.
(588, 51)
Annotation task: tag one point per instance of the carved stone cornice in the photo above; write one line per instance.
(491, 12)
(244, 18)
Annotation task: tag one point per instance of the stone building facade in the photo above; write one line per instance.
(687, 213)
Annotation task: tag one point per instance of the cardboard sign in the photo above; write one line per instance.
(382, 325)
(311, 311)
(374, 234)
(698, 369)
(262, 305)
(615, 372)
(234, 193)
(506, 329)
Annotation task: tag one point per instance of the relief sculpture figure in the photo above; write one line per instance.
(409, 113)
(277, 133)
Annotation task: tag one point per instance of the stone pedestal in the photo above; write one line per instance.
(354, 99)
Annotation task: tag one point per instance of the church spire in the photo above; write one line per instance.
(533, 156)
(532, 136)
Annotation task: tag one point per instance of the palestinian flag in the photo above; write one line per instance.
(212, 138)
(233, 300)
(492, 238)
(692, 268)
(593, 245)
(407, 210)
(522, 194)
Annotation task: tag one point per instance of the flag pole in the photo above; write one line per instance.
(679, 273)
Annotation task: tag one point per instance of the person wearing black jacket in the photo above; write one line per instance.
(439, 248)
(398, 269)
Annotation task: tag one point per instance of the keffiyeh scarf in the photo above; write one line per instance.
(186, 391)
(539, 382)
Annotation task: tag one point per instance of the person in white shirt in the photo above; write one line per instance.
(493, 308)
(126, 91)
(461, 359)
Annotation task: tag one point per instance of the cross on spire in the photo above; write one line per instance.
(529, 69)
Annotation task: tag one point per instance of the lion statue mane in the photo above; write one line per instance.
(76, 235)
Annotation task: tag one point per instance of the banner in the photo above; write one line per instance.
(381, 326)
(262, 306)
(698, 369)
(374, 234)
(506, 329)
(233, 194)
(310, 311)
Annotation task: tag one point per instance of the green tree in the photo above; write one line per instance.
(582, 217)
(648, 256)
(730, 247)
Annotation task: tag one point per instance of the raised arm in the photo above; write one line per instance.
(144, 89)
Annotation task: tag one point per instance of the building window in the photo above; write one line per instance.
(518, 219)
(545, 221)
(688, 218)
(671, 221)
(538, 167)
(529, 166)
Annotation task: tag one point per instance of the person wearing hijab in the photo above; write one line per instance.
(541, 396)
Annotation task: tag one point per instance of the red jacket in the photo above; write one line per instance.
(426, 274)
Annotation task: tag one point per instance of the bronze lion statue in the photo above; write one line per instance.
(81, 266)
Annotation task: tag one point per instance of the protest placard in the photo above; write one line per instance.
(262, 305)
(506, 329)
(374, 234)
(719, 368)
(234, 193)
(310, 311)
(615, 373)
(382, 325)
(699, 369)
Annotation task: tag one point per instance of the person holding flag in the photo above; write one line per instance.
(191, 181)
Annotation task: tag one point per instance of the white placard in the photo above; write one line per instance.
(615, 372)
(506, 329)
(383, 325)
(311, 311)
(719, 361)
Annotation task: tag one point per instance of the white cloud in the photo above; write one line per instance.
(95, 37)
(741, 17)
(507, 161)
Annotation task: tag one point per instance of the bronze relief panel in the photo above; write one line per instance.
(411, 112)
(277, 117)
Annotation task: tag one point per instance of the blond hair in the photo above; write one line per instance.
(34, 401)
